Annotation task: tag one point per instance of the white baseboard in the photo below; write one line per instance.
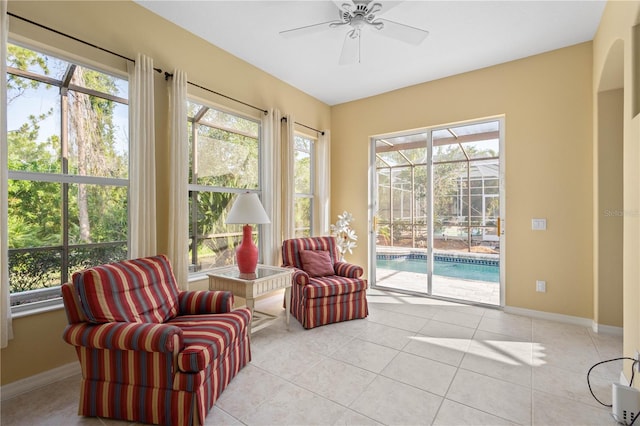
(606, 329)
(28, 384)
(567, 319)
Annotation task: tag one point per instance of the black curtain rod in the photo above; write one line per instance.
(304, 125)
(168, 74)
(158, 70)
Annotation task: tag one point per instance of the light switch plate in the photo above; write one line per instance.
(539, 224)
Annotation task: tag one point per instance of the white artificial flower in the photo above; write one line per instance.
(345, 235)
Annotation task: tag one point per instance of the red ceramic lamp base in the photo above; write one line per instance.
(247, 252)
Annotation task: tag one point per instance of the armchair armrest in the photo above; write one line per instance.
(195, 302)
(348, 270)
(299, 276)
(128, 336)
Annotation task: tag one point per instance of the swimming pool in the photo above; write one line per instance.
(466, 271)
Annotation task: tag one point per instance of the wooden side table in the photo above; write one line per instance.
(267, 279)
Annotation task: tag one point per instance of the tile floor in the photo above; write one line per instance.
(413, 361)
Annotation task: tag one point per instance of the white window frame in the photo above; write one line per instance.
(53, 303)
(194, 275)
(312, 178)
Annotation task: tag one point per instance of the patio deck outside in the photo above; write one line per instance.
(476, 291)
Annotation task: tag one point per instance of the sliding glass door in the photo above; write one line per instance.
(436, 211)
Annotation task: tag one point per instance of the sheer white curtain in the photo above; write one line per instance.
(142, 157)
(271, 189)
(178, 244)
(323, 184)
(6, 329)
(288, 178)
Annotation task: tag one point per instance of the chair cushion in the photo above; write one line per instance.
(138, 290)
(206, 337)
(317, 263)
(332, 286)
(292, 248)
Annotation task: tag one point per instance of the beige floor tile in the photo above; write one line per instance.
(418, 310)
(287, 362)
(218, 417)
(397, 320)
(571, 385)
(578, 358)
(293, 405)
(252, 386)
(493, 396)
(367, 355)
(336, 380)
(353, 418)
(510, 325)
(323, 340)
(506, 368)
(552, 410)
(454, 316)
(393, 403)
(443, 349)
(425, 374)
(385, 335)
(436, 328)
(452, 413)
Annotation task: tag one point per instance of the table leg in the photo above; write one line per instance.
(250, 305)
(287, 302)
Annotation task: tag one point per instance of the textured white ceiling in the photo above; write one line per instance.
(464, 36)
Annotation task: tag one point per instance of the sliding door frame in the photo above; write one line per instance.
(374, 205)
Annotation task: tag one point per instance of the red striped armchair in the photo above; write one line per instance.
(324, 290)
(148, 352)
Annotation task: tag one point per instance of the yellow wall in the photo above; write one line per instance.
(126, 28)
(547, 104)
(608, 209)
(616, 29)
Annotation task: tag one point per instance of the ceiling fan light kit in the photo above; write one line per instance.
(358, 15)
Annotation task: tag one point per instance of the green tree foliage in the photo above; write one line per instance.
(23, 59)
(94, 213)
(225, 155)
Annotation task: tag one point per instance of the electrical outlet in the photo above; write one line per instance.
(637, 363)
(541, 286)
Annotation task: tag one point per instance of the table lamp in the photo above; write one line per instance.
(247, 210)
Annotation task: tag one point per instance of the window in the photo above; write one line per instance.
(68, 149)
(224, 161)
(304, 159)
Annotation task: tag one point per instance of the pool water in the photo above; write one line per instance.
(464, 271)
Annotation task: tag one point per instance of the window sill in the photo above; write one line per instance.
(36, 308)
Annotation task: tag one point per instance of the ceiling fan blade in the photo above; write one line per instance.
(350, 49)
(308, 29)
(402, 32)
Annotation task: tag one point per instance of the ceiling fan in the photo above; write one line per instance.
(356, 15)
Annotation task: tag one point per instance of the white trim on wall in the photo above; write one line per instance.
(28, 384)
(566, 319)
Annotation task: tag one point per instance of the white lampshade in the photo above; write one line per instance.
(247, 209)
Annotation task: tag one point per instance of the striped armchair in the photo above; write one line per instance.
(324, 290)
(148, 352)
